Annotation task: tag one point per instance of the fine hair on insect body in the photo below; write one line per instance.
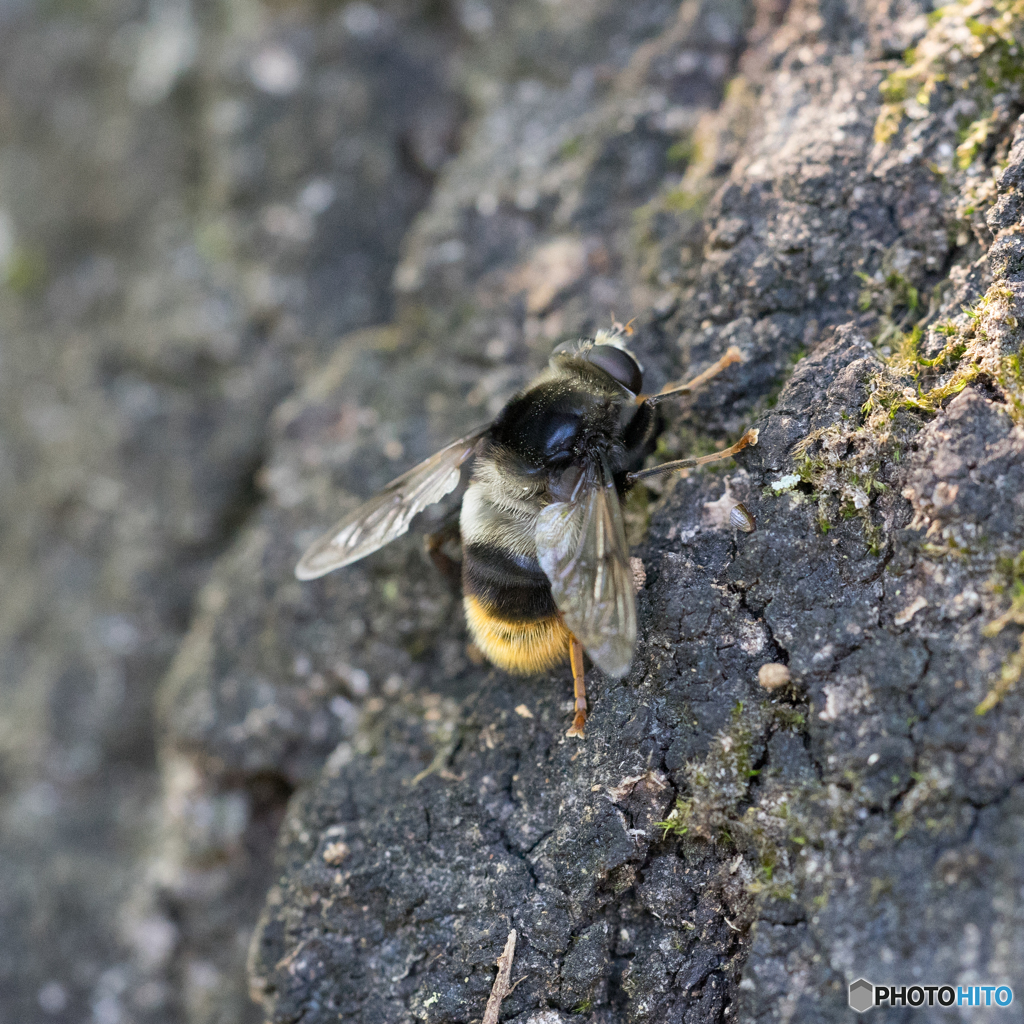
(545, 569)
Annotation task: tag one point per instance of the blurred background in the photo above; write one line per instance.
(197, 200)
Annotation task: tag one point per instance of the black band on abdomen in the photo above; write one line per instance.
(511, 587)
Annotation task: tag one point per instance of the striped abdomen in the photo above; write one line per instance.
(509, 608)
(510, 611)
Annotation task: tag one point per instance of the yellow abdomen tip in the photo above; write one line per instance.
(523, 648)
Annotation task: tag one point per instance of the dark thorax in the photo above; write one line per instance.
(571, 416)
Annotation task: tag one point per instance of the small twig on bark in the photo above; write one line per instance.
(500, 988)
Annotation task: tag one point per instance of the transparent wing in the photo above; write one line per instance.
(385, 516)
(581, 546)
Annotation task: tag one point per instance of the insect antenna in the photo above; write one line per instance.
(732, 355)
(618, 328)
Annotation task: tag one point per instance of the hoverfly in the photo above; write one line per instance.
(545, 569)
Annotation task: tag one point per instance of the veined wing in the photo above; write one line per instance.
(387, 515)
(581, 546)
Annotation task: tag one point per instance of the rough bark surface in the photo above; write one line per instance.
(776, 177)
(862, 822)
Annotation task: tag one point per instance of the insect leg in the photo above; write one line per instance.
(579, 689)
(447, 566)
(750, 437)
(732, 355)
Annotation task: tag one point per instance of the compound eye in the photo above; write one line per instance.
(619, 365)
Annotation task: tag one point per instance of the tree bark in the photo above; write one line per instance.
(813, 772)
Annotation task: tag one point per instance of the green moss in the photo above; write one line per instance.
(26, 270)
(682, 153)
(1011, 380)
(718, 784)
(887, 292)
(888, 122)
(974, 136)
(788, 718)
(772, 890)
(1009, 581)
(971, 52)
(681, 200)
(214, 242)
(950, 352)
(571, 148)
(889, 397)
(770, 826)
(676, 822)
(843, 467)
(879, 887)
(843, 486)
